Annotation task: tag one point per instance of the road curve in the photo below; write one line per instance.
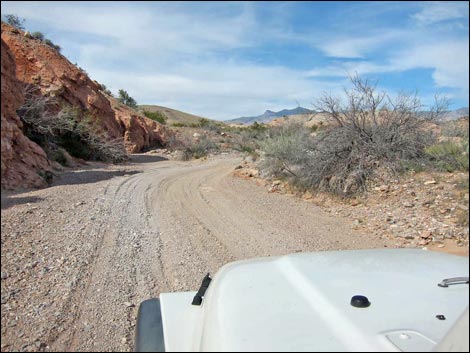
(161, 226)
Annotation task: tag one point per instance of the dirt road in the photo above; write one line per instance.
(78, 257)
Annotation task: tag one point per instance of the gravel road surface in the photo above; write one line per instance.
(79, 256)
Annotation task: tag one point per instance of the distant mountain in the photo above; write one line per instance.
(269, 115)
(455, 114)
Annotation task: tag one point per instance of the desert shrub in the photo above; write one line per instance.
(449, 155)
(37, 35)
(207, 124)
(15, 21)
(46, 175)
(157, 116)
(197, 149)
(457, 128)
(203, 122)
(126, 99)
(178, 124)
(58, 155)
(52, 45)
(286, 150)
(105, 89)
(369, 131)
(69, 128)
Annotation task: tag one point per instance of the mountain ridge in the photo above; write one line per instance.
(269, 115)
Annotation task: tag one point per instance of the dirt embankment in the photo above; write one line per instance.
(79, 256)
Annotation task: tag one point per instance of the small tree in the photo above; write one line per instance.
(37, 35)
(15, 21)
(124, 98)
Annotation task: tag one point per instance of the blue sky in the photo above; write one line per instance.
(224, 60)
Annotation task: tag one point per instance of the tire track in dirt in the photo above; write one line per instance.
(160, 227)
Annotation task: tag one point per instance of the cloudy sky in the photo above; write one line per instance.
(224, 60)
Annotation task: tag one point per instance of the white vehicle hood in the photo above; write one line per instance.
(302, 302)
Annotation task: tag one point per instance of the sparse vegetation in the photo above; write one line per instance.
(15, 21)
(18, 23)
(369, 132)
(177, 124)
(106, 90)
(198, 148)
(126, 99)
(157, 116)
(38, 36)
(69, 128)
(449, 156)
(52, 45)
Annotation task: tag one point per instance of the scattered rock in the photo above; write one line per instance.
(426, 234)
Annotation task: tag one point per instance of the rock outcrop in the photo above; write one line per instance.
(139, 132)
(39, 64)
(30, 61)
(23, 161)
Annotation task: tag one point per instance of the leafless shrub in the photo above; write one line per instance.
(69, 128)
(367, 131)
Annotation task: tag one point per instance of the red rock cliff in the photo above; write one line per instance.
(33, 62)
(22, 159)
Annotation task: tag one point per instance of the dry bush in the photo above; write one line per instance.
(367, 131)
(70, 128)
(193, 148)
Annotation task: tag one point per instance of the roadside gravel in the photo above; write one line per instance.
(78, 257)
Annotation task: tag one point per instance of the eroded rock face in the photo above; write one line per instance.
(140, 132)
(39, 64)
(32, 62)
(22, 159)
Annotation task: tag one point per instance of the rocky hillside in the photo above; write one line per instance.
(31, 62)
(173, 116)
(22, 159)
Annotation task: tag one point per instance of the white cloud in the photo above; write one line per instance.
(220, 90)
(450, 61)
(439, 11)
(192, 59)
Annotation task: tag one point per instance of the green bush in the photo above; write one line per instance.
(157, 116)
(286, 150)
(15, 21)
(449, 156)
(177, 124)
(52, 45)
(59, 156)
(37, 35)
(126, 99)
(198, 149)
